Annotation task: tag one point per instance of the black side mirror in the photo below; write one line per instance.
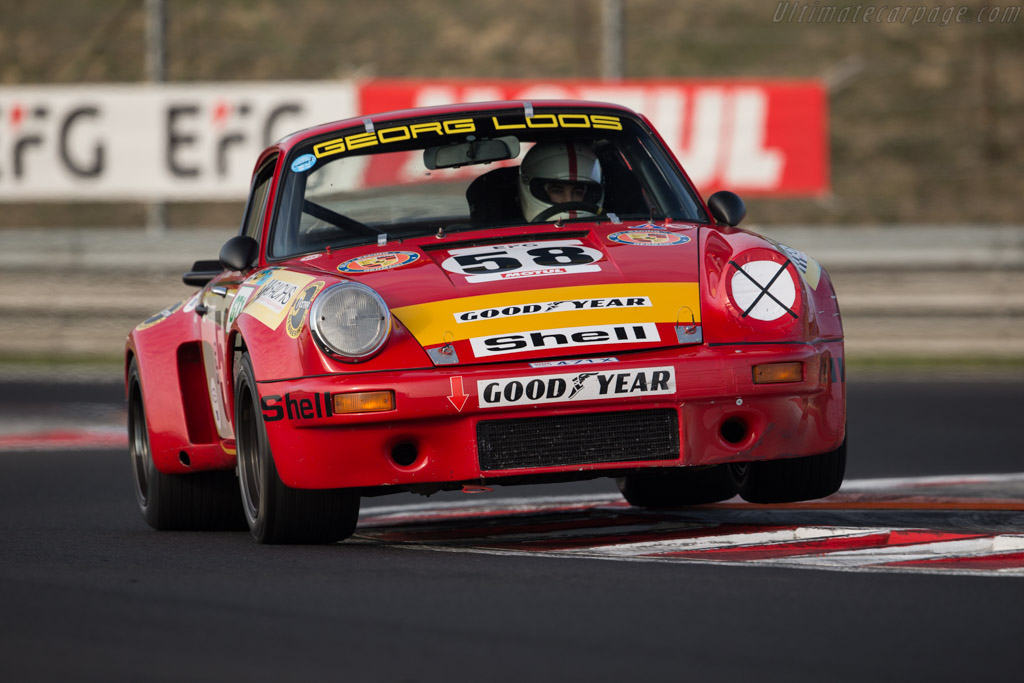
(239, 253)
(202, 272)
(727, 208)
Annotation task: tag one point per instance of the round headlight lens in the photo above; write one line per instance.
(350, 320)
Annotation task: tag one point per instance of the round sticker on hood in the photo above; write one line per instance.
(648, 238)
(383, 260)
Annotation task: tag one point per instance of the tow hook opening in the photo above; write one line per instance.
(404, 454)
(734, 430)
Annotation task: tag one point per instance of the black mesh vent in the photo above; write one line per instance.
(578, 439)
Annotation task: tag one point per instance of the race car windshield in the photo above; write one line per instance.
(353, 186)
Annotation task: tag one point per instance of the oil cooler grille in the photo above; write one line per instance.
(586, 439)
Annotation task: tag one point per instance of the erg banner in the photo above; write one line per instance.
(199, 142)
(751, 137)
(196, 141)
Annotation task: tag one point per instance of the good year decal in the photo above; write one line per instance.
(531, 259)
(576, 386)
(552, 306)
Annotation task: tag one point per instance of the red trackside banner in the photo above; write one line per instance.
(751, 137)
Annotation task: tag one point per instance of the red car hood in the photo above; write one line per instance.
(536, 292)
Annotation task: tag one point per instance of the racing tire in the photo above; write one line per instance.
(666, 488)
(274, 512)
(791, 479)
(201, 501)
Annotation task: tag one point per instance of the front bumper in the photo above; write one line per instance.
(431, 437)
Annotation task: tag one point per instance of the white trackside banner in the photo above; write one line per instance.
(151, 142)
(199, 141)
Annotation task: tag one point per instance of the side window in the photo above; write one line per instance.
(258, 202)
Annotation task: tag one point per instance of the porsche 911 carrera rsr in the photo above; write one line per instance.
(477, 295)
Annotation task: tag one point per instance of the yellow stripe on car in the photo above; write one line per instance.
(438, 322)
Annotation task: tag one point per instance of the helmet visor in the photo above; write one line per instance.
(555, 191)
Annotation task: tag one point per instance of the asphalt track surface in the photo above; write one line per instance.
(89, 593)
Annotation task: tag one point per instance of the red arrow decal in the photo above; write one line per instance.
(458, 396)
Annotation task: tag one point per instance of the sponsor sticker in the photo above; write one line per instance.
(576, 386)
(648, 238)
(439, 322)
(532, 259)
(272, 301)
(564, 338)
(191, 304)
(808, 267)
(370, 136)
(259, 278)
(296, 406)
(573, 361)
(553, 307)
(383, 260)
(276, 294)
(158, 317)
(216, 403)
(241, 297)
(300, 308)
(303, 163)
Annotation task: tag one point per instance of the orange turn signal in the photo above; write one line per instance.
(363, 402)
(778, 373)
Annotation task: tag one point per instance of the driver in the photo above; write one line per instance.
(556, 173)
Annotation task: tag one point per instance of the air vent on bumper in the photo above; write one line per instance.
(626, 436)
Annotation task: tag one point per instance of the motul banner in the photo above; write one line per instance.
(752, 137)
(151, 142)
(184, 142)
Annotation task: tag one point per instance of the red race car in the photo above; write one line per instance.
(465, 296)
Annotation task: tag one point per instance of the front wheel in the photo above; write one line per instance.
(792, 479)
(275, 512)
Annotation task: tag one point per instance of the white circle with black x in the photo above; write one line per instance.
(764, 290)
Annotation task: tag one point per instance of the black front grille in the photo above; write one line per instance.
(626, 436)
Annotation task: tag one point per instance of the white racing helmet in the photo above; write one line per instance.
(549, 162)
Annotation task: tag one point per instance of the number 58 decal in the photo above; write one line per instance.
(533, 259)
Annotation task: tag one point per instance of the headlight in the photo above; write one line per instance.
(350, 320)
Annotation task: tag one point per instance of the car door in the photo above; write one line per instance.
(223, 299)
